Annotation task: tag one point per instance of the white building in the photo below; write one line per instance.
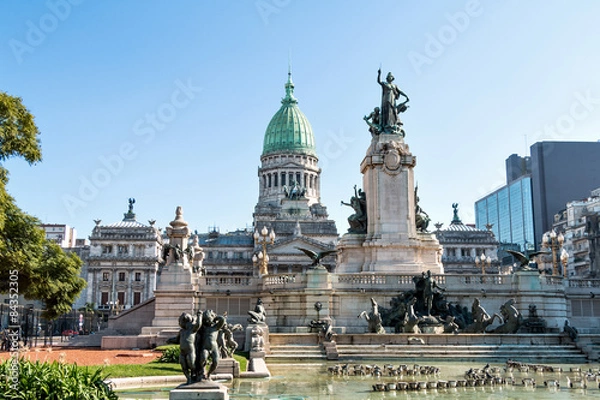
(123, 262)
(63, 235)
(580, 225)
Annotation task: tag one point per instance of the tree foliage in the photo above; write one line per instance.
(45, 271)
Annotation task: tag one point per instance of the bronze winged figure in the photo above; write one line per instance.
(525, 260)
(316, 257)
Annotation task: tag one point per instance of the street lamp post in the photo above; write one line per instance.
(261, 259)
(554, 242)
(482, 261)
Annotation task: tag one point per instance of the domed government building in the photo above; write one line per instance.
(299, 269)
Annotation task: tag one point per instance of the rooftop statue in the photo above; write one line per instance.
(390, 93)
(131, 203)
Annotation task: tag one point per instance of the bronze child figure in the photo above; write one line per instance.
(186, 338)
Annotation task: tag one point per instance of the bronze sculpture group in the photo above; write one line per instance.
(385, 119)
(207, 337)
(198, 341)
(425, 310)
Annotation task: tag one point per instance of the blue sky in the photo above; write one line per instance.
(167, 102)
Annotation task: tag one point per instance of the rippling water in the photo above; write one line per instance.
(312, 381)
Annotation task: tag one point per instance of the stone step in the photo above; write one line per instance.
(296, 352)
(564, 354)
(425, 348)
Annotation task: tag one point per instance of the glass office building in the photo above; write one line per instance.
(510, 212)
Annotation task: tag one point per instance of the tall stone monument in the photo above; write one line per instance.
(177, 282)
(395, 239)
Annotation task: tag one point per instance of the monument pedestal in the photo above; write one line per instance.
(205, 390)
(174, 295)
(228, 366)
(392, 243)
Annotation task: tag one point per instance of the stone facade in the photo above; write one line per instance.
(463, 245)
(580, 225)
(122, 263)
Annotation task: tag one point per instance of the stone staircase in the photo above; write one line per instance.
(530, 348)
(291, 353)
(590, 344)
(559, 353)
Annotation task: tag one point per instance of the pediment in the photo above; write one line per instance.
(289, 246)
(290, 164)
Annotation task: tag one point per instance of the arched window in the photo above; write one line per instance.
(264, 181)
(269, 178)
(275, 179)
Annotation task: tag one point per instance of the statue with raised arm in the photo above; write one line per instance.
(358, 220)
(390, 123)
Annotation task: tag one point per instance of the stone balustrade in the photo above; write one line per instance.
(283, 282)
(552, 280)
(584, 283)
(226, 281)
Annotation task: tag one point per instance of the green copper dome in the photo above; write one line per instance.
(289, 130)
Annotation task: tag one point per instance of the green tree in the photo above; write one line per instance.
(45, 271)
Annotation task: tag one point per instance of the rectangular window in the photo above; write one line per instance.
(122, 249)
(283, 179)
(122, 276)
(106, 249)
(138, 276)
(137, 298)
(105, 276)
(104, 298)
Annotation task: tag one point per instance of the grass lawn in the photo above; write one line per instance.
(151, 369)
(135, 370)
